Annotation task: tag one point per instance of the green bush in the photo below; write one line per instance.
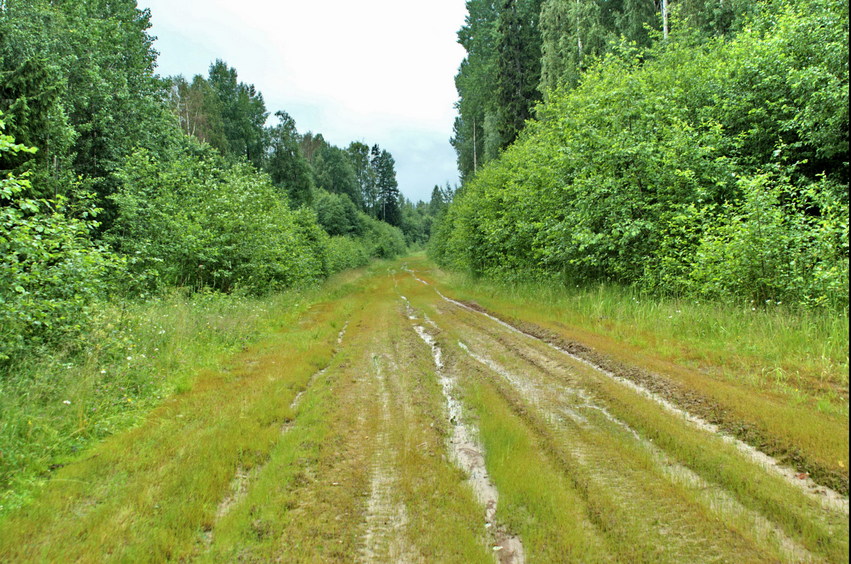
(382, 239)
(345, 253)
(337, 214)
(713, 169)
(51, 273)
(199, 222)
(758, 249)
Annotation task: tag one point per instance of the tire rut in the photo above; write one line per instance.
(467, 452)
(386, 519)
(827, 497)
(570, 411)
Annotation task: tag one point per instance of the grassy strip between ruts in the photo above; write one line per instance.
(536, 500)
(720, 464)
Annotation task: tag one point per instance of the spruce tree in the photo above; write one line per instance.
(388, 188)
(518, 64)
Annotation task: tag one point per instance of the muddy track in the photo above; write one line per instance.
(567, 416)
(392, 423)
(816, 478)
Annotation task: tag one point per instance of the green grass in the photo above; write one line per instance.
(140, 495)
(537, 501)
(777, 377)
(53, 406)
(207, 396)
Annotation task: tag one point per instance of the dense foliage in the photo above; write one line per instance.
(200, 222)
(705, 165)
(50, 269)
(118, 183)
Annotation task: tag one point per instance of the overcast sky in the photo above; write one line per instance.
(377, 71)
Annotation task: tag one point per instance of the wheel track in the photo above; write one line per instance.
(467, 452)
(562, 403)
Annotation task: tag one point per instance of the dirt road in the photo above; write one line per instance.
(396, 424)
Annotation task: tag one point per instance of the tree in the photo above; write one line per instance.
(573, 32)
(359, 156)
(198, 108)
(311, 145)
(337, 214)
(243, 113)
(518, 65)
(286, 165)
(76, 93)
(388, 188)
(334, 173)
(30, 95)
(476, 138)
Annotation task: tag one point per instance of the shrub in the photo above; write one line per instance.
(199, 222)
(51, 272)
(714, 169)
(345, 253)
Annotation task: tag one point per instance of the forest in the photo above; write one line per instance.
(690, 148)
(119, 183)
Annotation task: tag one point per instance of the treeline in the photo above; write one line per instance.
(699, 150)
(118, 183)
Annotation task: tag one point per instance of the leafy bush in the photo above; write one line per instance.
(337, 214)
(51, 272)
(199, 222)
(759, 249)
(382, 239)
(345, 253)
(690, 167)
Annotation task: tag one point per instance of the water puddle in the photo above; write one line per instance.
(414, 276)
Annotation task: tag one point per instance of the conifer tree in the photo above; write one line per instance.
(518, 65)
(388, 188)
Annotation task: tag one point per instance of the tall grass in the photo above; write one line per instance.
(54, 405)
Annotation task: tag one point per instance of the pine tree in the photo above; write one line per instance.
(573, 32)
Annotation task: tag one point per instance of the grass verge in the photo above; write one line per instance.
(54, 406)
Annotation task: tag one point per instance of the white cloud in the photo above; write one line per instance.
(374, 70)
